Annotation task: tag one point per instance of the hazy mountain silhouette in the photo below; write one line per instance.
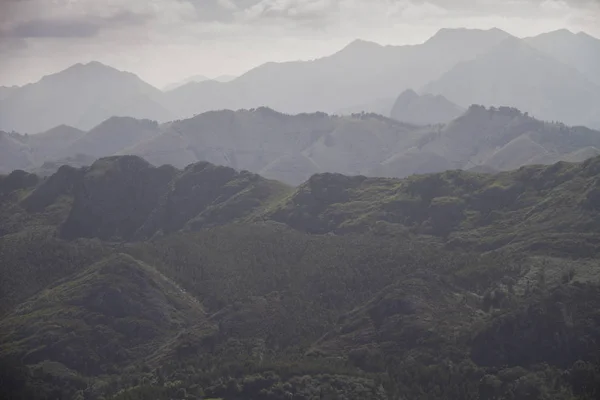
(81, 96)
(360, 73)
(291, 148)
(425, 109)
(112, 136)
(580, 50)
(505, 139)
(515, 74)
(51, 144)
(546, 76)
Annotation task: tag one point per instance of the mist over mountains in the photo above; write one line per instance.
(552, 76)
(291, 148)
(385, 223)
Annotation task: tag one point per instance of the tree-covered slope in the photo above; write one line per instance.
(121, 198)
(537, 207)
(128, 281)
(97, 322)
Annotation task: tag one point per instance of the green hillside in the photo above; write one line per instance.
(548, 209)
(127, 281)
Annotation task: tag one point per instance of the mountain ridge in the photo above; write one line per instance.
(307, 86)
(294, 147)
(500, 76)
(89, 93)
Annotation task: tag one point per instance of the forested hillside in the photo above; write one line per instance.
(128, 281)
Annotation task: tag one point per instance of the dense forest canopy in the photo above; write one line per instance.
(127, 281)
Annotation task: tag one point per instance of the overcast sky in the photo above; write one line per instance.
(167, 40)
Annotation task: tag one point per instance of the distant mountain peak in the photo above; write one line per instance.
(95, 63)
(124, 122)
(563, 31)
(359, 45)
(364, 43)
(559, 34)
(446, 34)
(93, 68)
(62, 127)
(408, 93)
(91, 65)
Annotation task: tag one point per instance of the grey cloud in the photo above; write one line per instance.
(83, 27)
(315, 13)
(171, 19)
(54, 29)
(251, 10)
(220, 10)
(311, 13)
(293, 9)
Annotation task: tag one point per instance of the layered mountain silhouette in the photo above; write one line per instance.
(516, 74)
(111, 136)
(291, 148)
(551, 76)
(160, 245)
(81, 96)
(580, 51)
(361, 72)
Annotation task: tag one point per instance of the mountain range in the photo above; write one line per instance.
(385, 223)
(516, 74)
(123, 280)
(552, 76)
(291, 148)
